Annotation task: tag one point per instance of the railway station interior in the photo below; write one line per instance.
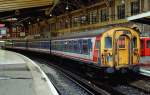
(75, 47)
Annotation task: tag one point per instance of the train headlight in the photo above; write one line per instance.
(109, 58)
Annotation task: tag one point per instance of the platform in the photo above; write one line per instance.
(145, 66)
(21, 76)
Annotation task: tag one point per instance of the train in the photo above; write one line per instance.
(112, 48)
(145, 50)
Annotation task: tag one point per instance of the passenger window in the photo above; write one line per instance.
(80, 46)
(76, 47)
(59, 45)
(66, 46)
(121, 42)
(56, 46)
(134, 43)
(85, 47)
(148, 43)
(89, 44)
(70, 46)
(108, 42)
(62, 46)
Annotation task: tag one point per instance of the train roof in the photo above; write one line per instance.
(88, 33)
(82, 34)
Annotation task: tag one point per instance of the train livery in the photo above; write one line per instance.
(110, 48)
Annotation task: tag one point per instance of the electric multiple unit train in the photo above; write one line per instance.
(109, 48)
(145, 50)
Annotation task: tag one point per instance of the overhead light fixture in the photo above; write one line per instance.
(123, 1)
(67, 7)
(50, 15)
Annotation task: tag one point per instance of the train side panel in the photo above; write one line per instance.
(78, 49)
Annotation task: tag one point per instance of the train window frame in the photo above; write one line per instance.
(80, 43)
(123, 42)
(65, 46)
(75, 46)
(85, 50)
(148, 44)
(70, 46)
(134, 45)
(110, 40)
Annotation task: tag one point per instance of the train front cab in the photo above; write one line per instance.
(119, 48)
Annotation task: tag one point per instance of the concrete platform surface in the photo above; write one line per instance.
(21, 76)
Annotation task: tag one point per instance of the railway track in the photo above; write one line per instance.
(96, 87)
(81, 82)
(129, 84)
(108, 86)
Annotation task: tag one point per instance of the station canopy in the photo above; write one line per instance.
(141, 18)
(8, 5)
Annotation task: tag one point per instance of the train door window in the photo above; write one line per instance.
(134, 42)
(148, 43)
(85, 47)
(108, 42)
(142, 43)
(121, 42)
(97, 44)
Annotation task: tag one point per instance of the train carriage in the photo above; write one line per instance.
(110, 48)
(115, 47)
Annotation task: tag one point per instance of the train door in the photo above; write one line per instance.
(142, 51)
(147, 47)
(98, 51)
(123, 50)
(96, 55)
